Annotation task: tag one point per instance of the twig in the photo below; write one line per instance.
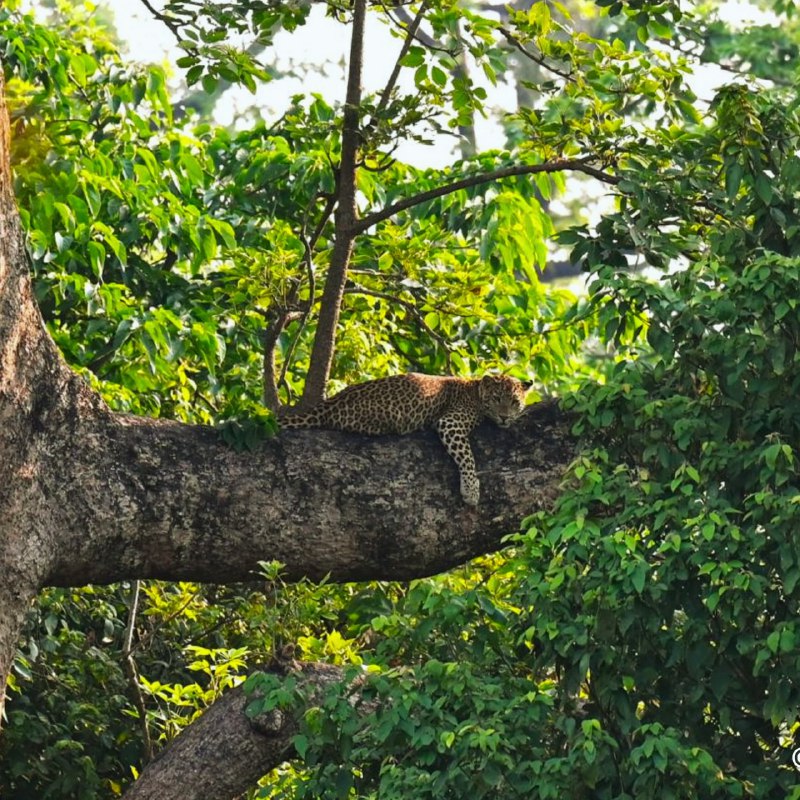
(412, 309)
(533, 57)
(559, 165)
(304, 315)
(324, 217)
(133, 674)
(420, 36)
(272, 332)
(176, 31)
(389, 88)
(308, 249)
(145, 640)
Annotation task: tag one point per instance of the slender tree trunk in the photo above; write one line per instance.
(468, 143)
(346, 216)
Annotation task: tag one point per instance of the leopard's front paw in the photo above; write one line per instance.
(470, 491)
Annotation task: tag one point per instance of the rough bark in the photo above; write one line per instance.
(37, 393)
(225, 752)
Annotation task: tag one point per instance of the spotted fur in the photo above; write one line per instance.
(405, 403)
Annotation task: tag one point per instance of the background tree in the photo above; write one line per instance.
(638, 640)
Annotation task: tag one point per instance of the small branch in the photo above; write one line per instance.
(413, 310)
(387, 162)
(168, 21)
(197, 98)
(145, 640)
(533, 57)
(389, 88)
(404, 20)
(324, 217)
(280, 319)
(133, 674)
(559, 165)
(468, 144)
(304, 315)
(291, 311)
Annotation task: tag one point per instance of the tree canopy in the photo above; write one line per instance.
(618, 619)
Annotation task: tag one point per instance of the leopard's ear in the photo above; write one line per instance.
(527, 385)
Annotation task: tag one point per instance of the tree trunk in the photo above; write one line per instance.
(34, 386)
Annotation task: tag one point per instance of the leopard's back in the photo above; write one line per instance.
(396, 404)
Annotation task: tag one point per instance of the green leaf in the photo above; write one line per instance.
(733, 179)
(300, 743)
(638, 577)
(764, 188)
(210, 83)
(414, 57)
(97, 256)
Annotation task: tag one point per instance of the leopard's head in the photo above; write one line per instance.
(502, 398)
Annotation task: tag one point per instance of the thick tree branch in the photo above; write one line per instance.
(132, 498)
(559, 165)
(224, 752)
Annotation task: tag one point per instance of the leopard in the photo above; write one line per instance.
(400, 404)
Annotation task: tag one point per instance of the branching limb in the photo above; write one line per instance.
(559, 165)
